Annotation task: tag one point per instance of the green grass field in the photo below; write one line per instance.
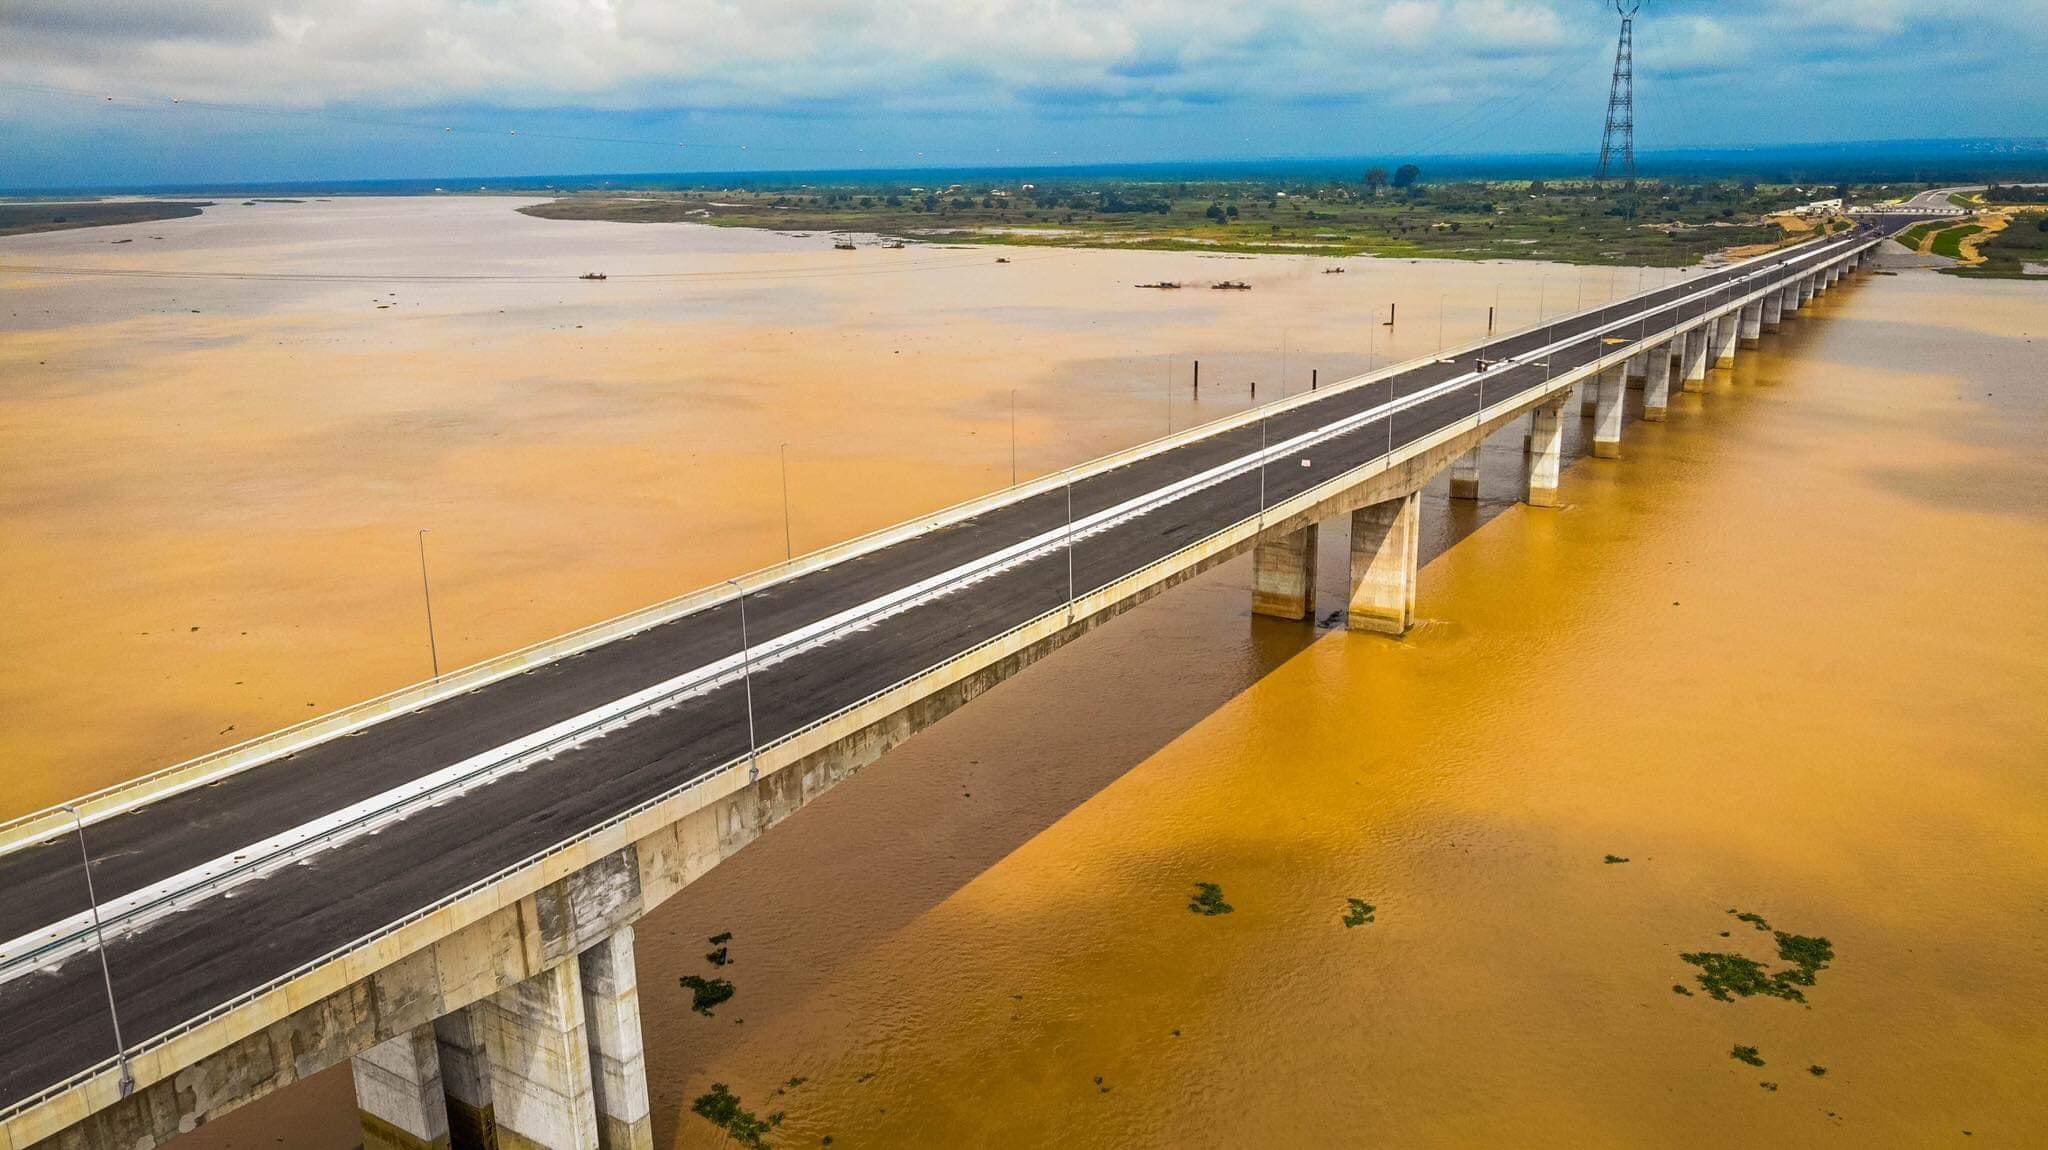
(1949, 241)
(2007, 254)
(1912, 237)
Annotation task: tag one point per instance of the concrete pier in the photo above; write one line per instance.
(618, 1067)
(1639, 369)
(1794, 299)
(1695, 359)
(1726, 329)
(398, 1093)
(1385, 544)
(1774, 310)
(466, 1079)
(1465, 475)
(1546, 452)
(1612, 392)
(1752, 324)
(539, 1056)
(1284, 576)
(1657, 386)
(1806, 290)
(1589, 396)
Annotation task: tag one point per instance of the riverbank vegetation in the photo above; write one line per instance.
(21, 219)
(1403, 214)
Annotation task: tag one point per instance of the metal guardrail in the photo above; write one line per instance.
(1383, 460)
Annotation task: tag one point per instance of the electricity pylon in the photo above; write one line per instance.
(1620, 135)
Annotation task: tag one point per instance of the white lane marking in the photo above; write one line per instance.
(126, 913)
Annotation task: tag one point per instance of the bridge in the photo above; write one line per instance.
(440, 885)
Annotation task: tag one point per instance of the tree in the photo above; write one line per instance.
(1375, 179)
(1231, 211)
(1406, 175)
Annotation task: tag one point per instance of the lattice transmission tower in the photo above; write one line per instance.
(1620, 136)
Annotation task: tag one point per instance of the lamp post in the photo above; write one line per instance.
(1262, 471)
(1070, 547)
(100, 940)
(427, 593)
(788, 548)
(747, 678)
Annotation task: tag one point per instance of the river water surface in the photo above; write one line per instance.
(1786, 658)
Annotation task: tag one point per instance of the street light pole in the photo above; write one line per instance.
(1262, 472)
(747, 678)
(427, 593)
(788, 548)
(1070, 547)
(100, 939)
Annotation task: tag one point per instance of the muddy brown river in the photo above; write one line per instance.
(1785, 658)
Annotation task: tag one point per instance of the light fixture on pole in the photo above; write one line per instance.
(127, 1082)
(747, 678)
(1262, 471)
(788, 548)
(427, 593)
(1070, 547)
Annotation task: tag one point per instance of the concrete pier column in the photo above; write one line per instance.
(1695, 359)
(1657, 387)
(398, 1093)
(466, 1079)
(539, 1058)
(618, 1067)
(1284, 576)
(1589, 396)
(1385, 544)
(1752, 323)
(1639, 369)
(1546, 452)
(1806, 288)
(1774, 310)
(1613, 390)
(1725, 331)
(1465, 475)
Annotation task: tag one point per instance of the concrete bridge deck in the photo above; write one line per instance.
(272, 886)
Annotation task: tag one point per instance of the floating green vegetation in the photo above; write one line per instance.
(1755, 920)
(1746, 1054)
(722, 1109)
(1610, 860)
(706, 992)
(1770, 1086)
(1811, 955)
(718, 957)
(1208, 900)
(795, 1080)
(1817, 1070)
(1727, 975)
(1677, 989)
(1358, 912)
(720, 939)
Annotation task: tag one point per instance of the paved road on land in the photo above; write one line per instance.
(53, 1015)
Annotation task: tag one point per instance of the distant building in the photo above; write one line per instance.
(1819, 208)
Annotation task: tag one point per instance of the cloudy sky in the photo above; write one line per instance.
(238, 90)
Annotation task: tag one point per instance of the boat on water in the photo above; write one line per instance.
(591, 276)
(1231, 285)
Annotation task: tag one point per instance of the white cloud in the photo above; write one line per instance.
(817, 57)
